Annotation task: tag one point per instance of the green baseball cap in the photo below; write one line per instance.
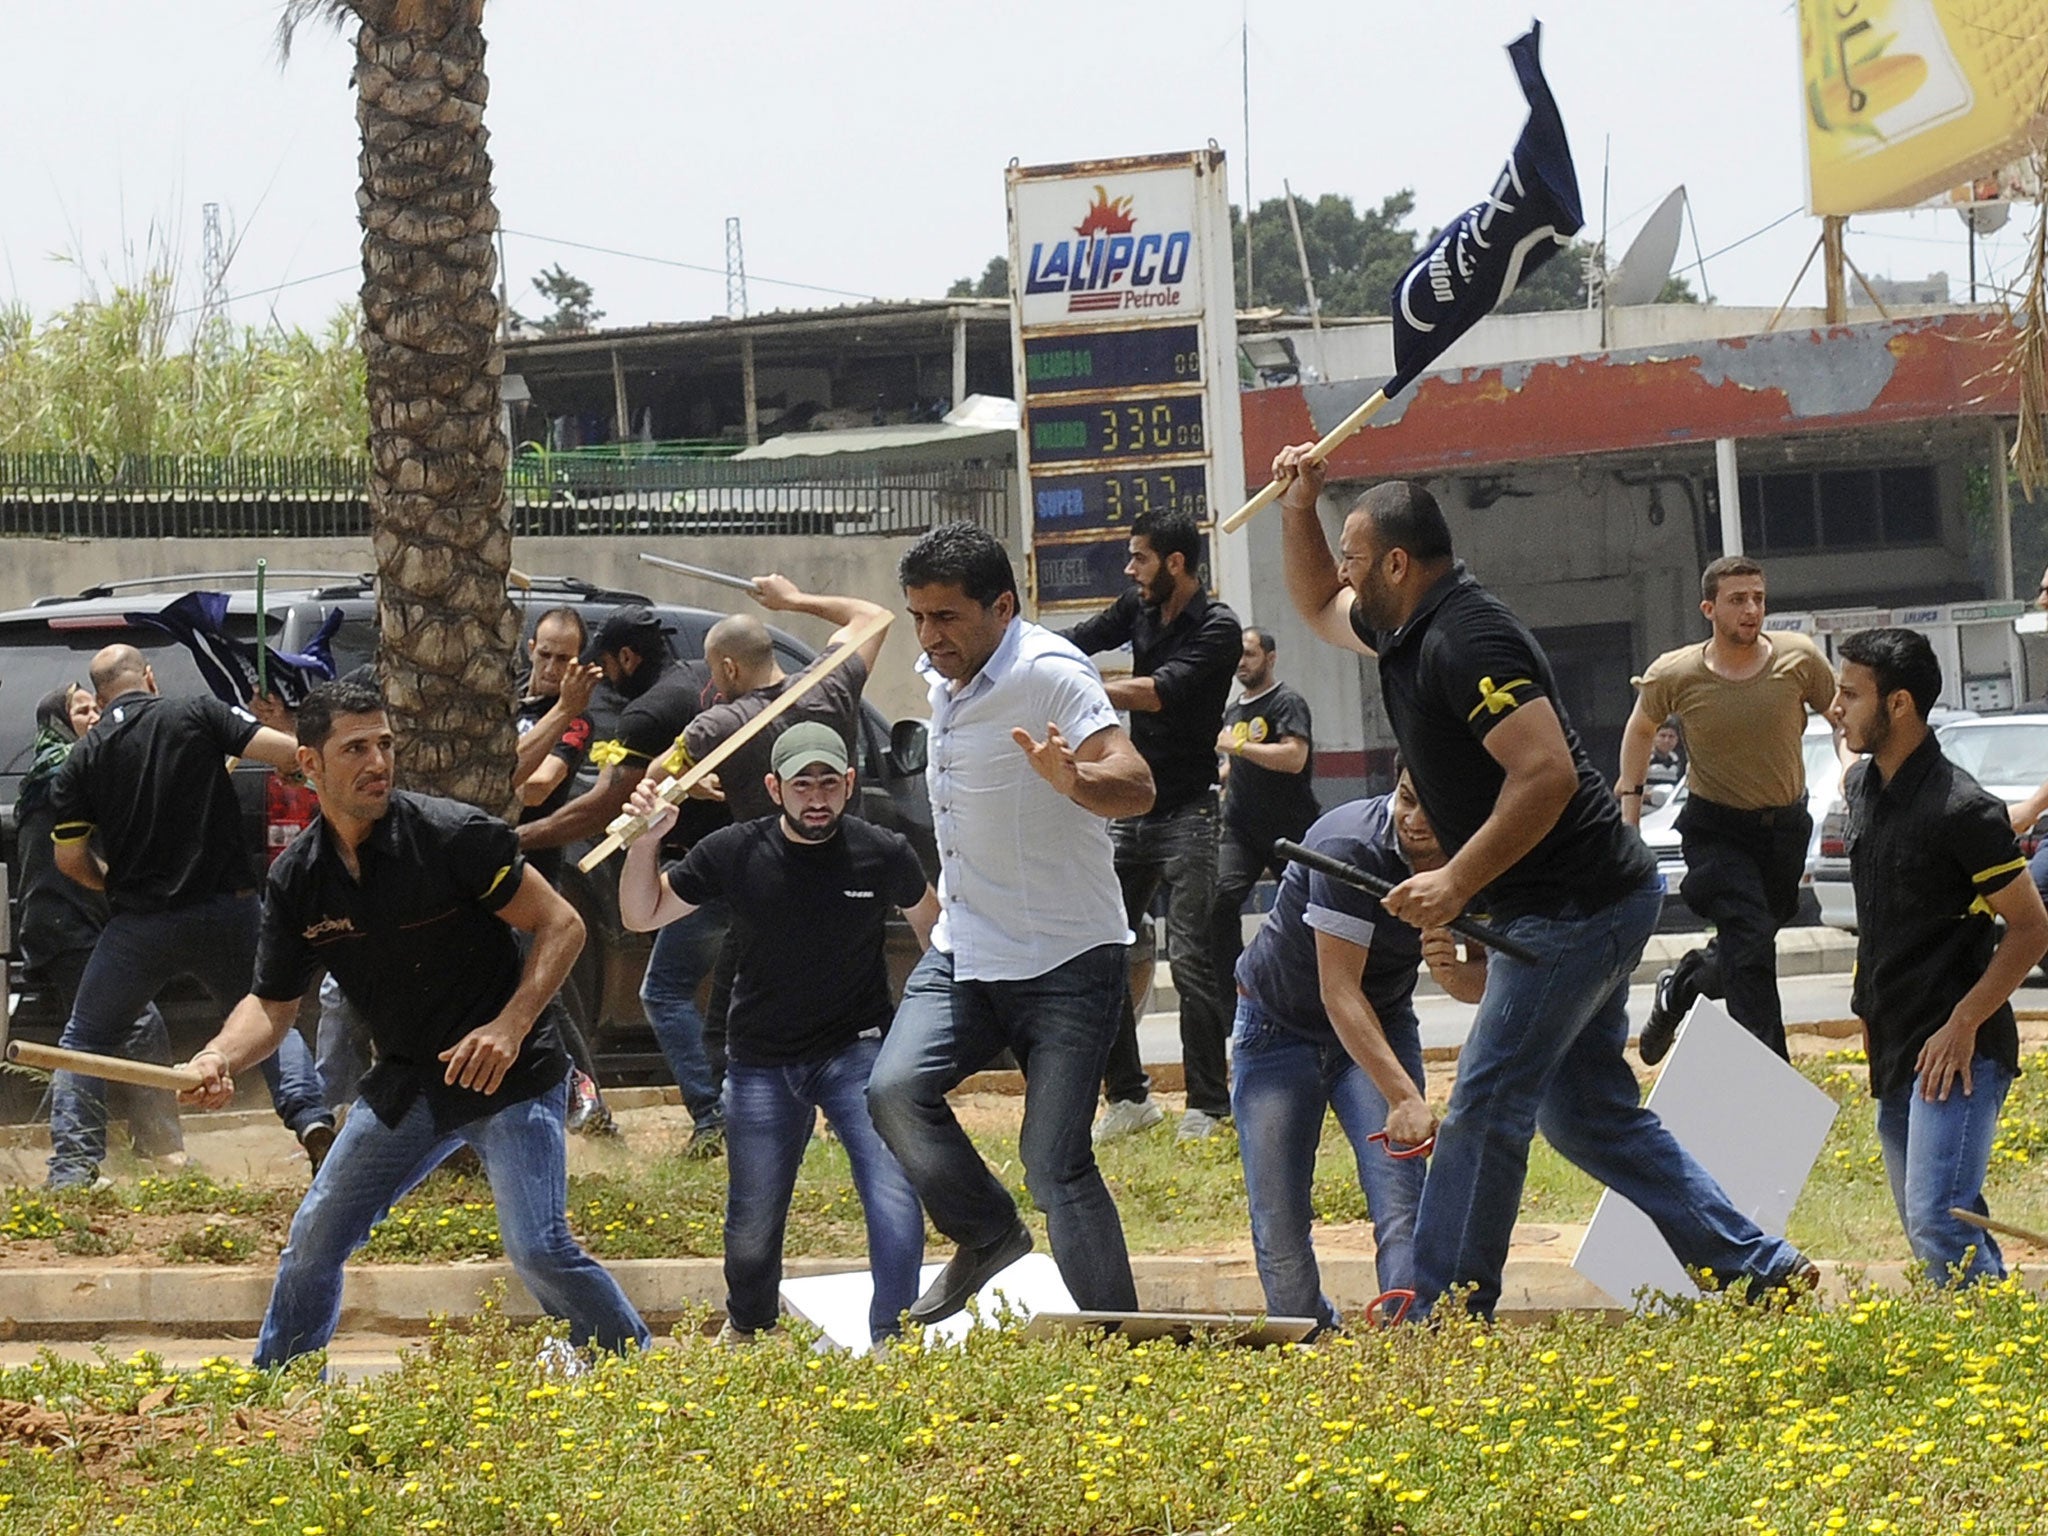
(802, 745)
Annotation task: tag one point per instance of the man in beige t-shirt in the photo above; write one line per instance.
(1742, 697)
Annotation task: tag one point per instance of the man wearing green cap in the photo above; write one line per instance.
(810, 890)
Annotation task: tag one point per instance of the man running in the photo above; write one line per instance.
(411, 902)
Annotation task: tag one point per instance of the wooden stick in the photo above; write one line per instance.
(2002, 1228)
(626, 828)
(1316, 455)
(703, 573)
(112, 1069)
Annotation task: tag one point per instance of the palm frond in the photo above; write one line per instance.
(386, 15)
(2030, 356)
(296, 13)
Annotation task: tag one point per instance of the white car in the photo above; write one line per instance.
(1823, 788)
(2007, 754)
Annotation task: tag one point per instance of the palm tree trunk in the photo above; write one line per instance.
(437, 451)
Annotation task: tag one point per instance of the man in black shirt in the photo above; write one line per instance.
(1934, 862)
(1185, 648)
(555, 732)
(1267, 742)
(662, 696)
(810, 890)
(150, 780)
(410, 902)
(1535, 840)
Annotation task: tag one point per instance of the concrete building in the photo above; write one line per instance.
(734, 383)
(1588, 484)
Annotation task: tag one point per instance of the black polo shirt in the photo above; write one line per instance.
(416, 946)
(1925, 851)
(1460, 665)
(1192, 662)
(151, 779)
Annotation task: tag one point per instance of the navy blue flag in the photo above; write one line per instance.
(229, 665)
(1476, 263)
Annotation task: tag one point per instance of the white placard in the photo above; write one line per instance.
(839, 1303)
(1747, 1116)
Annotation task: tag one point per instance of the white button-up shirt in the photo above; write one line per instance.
(1026, 877)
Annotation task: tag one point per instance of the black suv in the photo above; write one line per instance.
(53, 642)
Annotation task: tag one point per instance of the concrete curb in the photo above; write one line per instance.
(402, 1299)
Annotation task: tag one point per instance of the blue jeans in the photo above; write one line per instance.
(137, 955)
(1935, 1154)
(1285, 1083)
(372, 1163)
(1177, 850)
(341, 1045)
(1546, 1050)
(684, 953)
(1058, 1026)
(769, 1115)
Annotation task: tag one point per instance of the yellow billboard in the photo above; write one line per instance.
(1907, 98)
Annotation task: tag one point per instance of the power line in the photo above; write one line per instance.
(688, 266)
(1781, 218)
(256, 293)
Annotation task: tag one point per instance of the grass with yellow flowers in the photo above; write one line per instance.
(1916, 1412)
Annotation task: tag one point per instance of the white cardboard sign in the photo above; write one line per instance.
(838, 1303)
(1747, 1116)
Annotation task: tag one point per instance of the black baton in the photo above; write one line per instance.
(1351, 874)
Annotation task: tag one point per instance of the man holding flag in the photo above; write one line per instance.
(1532, 834)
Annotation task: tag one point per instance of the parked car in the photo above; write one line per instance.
(1660, 830)
(2007, 754)
(54, 640)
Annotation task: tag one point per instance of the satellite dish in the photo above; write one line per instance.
(1641, 275)
(1986, 218)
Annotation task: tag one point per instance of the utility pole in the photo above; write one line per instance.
(1308, 282)
(1244, 39)
(735, 272)
(212, 337)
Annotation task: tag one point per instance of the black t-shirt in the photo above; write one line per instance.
(151, 779)
(1192, 662)
(1924, 852)
(835, 701)
(416, 946)
(812, 974)
(645, 738)
(1259, 803)
(1460, 665)
(572, 749)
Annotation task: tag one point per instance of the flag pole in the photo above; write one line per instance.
(262, 638)
(1477, 260)
(1322, 450)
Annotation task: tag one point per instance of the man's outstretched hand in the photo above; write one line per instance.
(1052, 758)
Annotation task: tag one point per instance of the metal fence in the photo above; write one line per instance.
(178, 496)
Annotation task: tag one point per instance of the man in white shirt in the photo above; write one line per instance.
(1029, 951)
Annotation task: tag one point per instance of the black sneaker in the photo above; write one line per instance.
(967, 1272)
(318, 1140)
(1655, 1043)
(707, 1140)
